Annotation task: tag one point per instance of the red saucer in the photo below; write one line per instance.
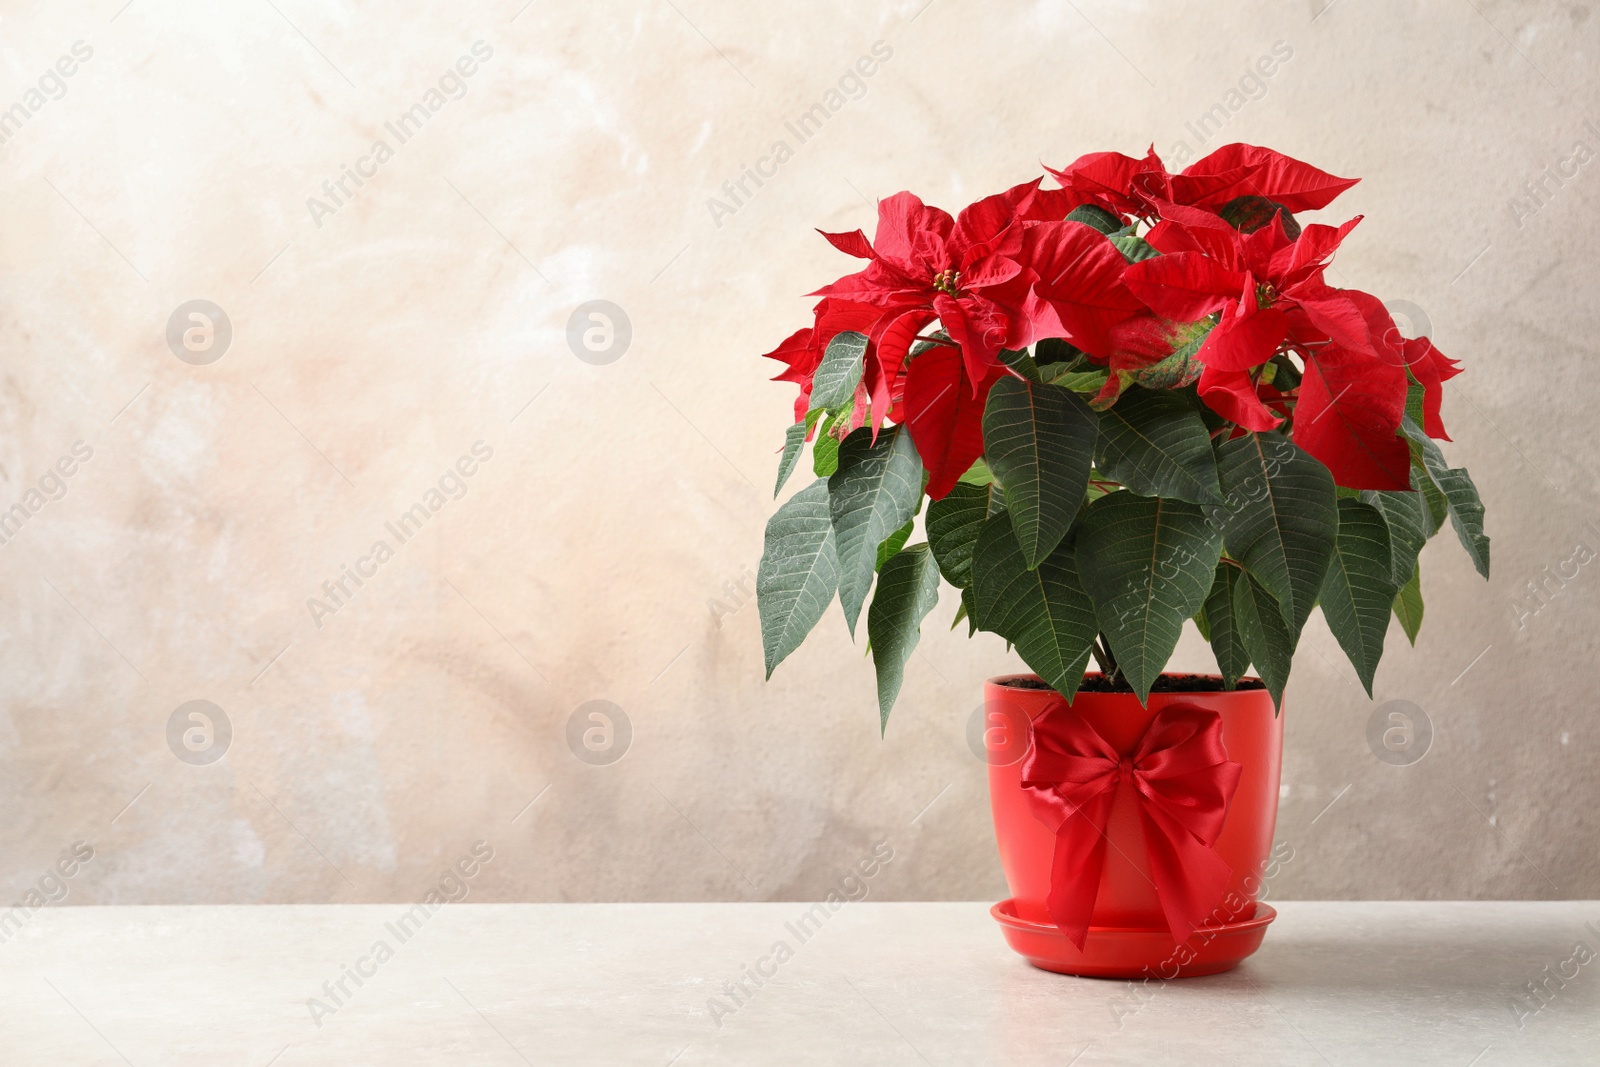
(1116, 952)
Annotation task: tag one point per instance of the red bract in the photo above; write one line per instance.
(1349, 411)
(962, 271)
(1010, 270)
(1432, 369)
(1126, 186)
(803, 349)
(945, 416)
(1262, 284)
(1078, 276)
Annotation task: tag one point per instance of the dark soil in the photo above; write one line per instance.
(1167, 683)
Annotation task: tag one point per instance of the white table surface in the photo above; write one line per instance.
(880, 984)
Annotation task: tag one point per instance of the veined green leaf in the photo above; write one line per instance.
(1248, 214)
(1133, 248)
(1022, 362)
(1039, 441)
(1097, 217)
(1279, 518)
(794, 439)
(834, 384)
(1408, 604)
(1264, 634)
(908, 588)
(798, 573)
(1079, 381)
(1148, 563)
(825, 453)
(1460, 495)
(1358, 592)
(1410, 526)
(954, 524)
(1042, 610)
(1227, 643)
(892, 544)
(1155, 444)
(874, 492)
(978, 474)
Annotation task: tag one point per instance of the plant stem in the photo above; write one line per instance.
(1108, 662)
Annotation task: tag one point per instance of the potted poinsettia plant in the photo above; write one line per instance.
(1130, 401)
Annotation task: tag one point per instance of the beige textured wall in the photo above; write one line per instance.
(374, 344)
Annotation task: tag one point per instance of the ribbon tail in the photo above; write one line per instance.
(1190, 877)
(1078, 861)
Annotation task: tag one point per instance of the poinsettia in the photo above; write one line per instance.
(995, 278)
(1266, 291)
(1139, 381)
(924, 265)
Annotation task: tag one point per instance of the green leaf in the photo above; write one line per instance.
(1098, 217)
(1042, 610)
(798, 573)
(1039, 441)
(1133, 248)
(1264, 634)
(825, 453)
(1358, 592)
(978, 474)
(794, 439)
(1410, 526)
(954, 524)
(1281, 374)
(874, 492)
(1280, 518)
(1021, 362)
(834, 384)
(1408, 604)
(1179, 369)
(969, 609)
(1438, 506)
(1148, 564)
(892, 544)
(1155, 444)
(1058, 352)
(1079, 381)
(1248, 214)
(1227, 643)
(1460, 495)
(908, 588)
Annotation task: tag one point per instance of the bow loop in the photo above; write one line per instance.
(1184, 782)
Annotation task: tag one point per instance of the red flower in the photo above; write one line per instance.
(945, 417)
(1009, 271)
(1432, 369)
(1127, 186)
(803, 349)
(1264, 286)
(1267, 290)
(1347, 416)
(926, 265)
(1077, 276)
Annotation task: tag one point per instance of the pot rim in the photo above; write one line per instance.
(1000, 681)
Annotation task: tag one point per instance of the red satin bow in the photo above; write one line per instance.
(1184, 781)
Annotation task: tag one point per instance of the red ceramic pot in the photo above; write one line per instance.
(1128, 935)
